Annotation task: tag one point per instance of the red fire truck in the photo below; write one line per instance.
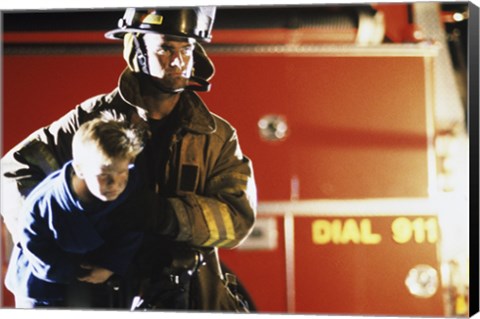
(339, 112)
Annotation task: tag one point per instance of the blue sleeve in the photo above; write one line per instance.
(47, 260)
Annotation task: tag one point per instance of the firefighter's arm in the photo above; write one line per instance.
(23, 168)
(224, 215)
(30, 161)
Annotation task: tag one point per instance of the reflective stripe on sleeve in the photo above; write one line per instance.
(219, 223)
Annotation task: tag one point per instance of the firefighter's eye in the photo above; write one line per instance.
(187, 51)
(169, 51)
(162, 51)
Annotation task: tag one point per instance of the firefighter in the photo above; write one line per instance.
(200, 193)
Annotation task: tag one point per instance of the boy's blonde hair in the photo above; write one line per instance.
(110, 135)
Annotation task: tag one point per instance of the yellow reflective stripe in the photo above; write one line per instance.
(226, 234)
(228, 223)
(230, 183)
(211, 224)
(224, 243)
(238, 176)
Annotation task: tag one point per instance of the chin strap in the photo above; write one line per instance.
(202, 85)
(141, 55)
(195, 84)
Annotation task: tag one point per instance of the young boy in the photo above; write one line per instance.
(66, 238)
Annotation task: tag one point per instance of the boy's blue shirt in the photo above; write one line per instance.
(58, 234)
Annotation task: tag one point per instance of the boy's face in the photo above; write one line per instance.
(105, 182)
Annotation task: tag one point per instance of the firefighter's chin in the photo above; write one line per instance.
(175, 85)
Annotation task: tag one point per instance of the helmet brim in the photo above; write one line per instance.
(118, 34)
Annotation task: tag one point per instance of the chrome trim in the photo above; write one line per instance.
(388, 50)
(429, 64)
(353, 207)
(289, 232)
(413, 50)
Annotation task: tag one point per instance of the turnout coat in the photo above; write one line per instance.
(209, 184)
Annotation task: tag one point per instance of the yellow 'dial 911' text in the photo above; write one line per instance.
(361, 231)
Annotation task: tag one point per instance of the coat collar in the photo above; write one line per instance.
(194, 114)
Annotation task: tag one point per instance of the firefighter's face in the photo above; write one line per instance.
(170, 60)
(105, 180)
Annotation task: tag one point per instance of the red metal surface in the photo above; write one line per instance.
(357, 124)
(55, 37)
(262, 272)
(358, 278)
(38, 89)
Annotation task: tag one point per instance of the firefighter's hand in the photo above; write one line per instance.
(97, 275)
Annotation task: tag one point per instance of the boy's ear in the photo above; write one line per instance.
(77, 169)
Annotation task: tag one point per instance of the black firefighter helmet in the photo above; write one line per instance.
(192, 22)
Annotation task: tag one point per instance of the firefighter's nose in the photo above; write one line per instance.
(177, 60)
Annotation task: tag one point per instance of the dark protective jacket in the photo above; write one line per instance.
(211, 188)
(58, 233)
